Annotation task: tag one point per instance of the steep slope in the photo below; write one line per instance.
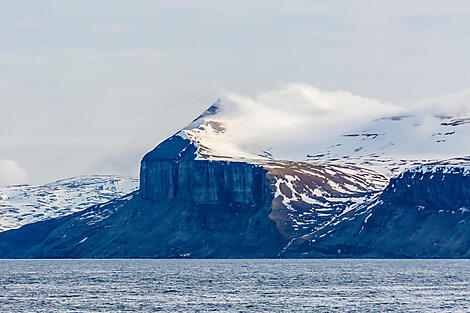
(423, 213)
(24, 204)
(308, 195)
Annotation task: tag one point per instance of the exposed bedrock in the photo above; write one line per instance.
(204, 182)
(438, 187)
(170, 171)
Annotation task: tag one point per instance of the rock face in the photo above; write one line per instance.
(170, 171)
(205, 182)
(436, 186)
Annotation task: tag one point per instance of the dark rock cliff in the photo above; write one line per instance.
(204, 182)
(171, 172)
(432, 187)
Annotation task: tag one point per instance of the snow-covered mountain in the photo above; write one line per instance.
(299, 172)
(24, 204)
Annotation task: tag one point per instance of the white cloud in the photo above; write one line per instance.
(11, 173)
(452, 104)
(299, 111)
(291, 120)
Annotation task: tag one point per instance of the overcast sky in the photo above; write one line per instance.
(90, 86)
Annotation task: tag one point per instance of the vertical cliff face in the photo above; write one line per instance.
(204, 182)
(171, 176)
(445, 187)
(431, 196)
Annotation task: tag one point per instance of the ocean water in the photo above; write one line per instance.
(234, 285)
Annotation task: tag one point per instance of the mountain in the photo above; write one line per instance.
(255, 178)
(25, 204)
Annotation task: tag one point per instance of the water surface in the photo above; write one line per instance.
(235, 285)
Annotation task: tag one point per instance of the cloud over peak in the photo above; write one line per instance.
(298, 109)
(298, 119)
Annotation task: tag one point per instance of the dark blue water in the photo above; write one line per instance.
(234, 285)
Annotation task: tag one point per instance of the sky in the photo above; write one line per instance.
(87, 87)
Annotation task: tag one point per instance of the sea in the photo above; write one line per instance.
(234, 285)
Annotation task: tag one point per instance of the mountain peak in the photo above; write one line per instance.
(303, 123)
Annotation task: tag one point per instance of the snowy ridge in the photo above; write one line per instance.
(24, 204)
(394, 144)
(459, 166)
(208, 134)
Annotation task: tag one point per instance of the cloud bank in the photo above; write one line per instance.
(453, 104)
(296, 114)
(11, 173)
